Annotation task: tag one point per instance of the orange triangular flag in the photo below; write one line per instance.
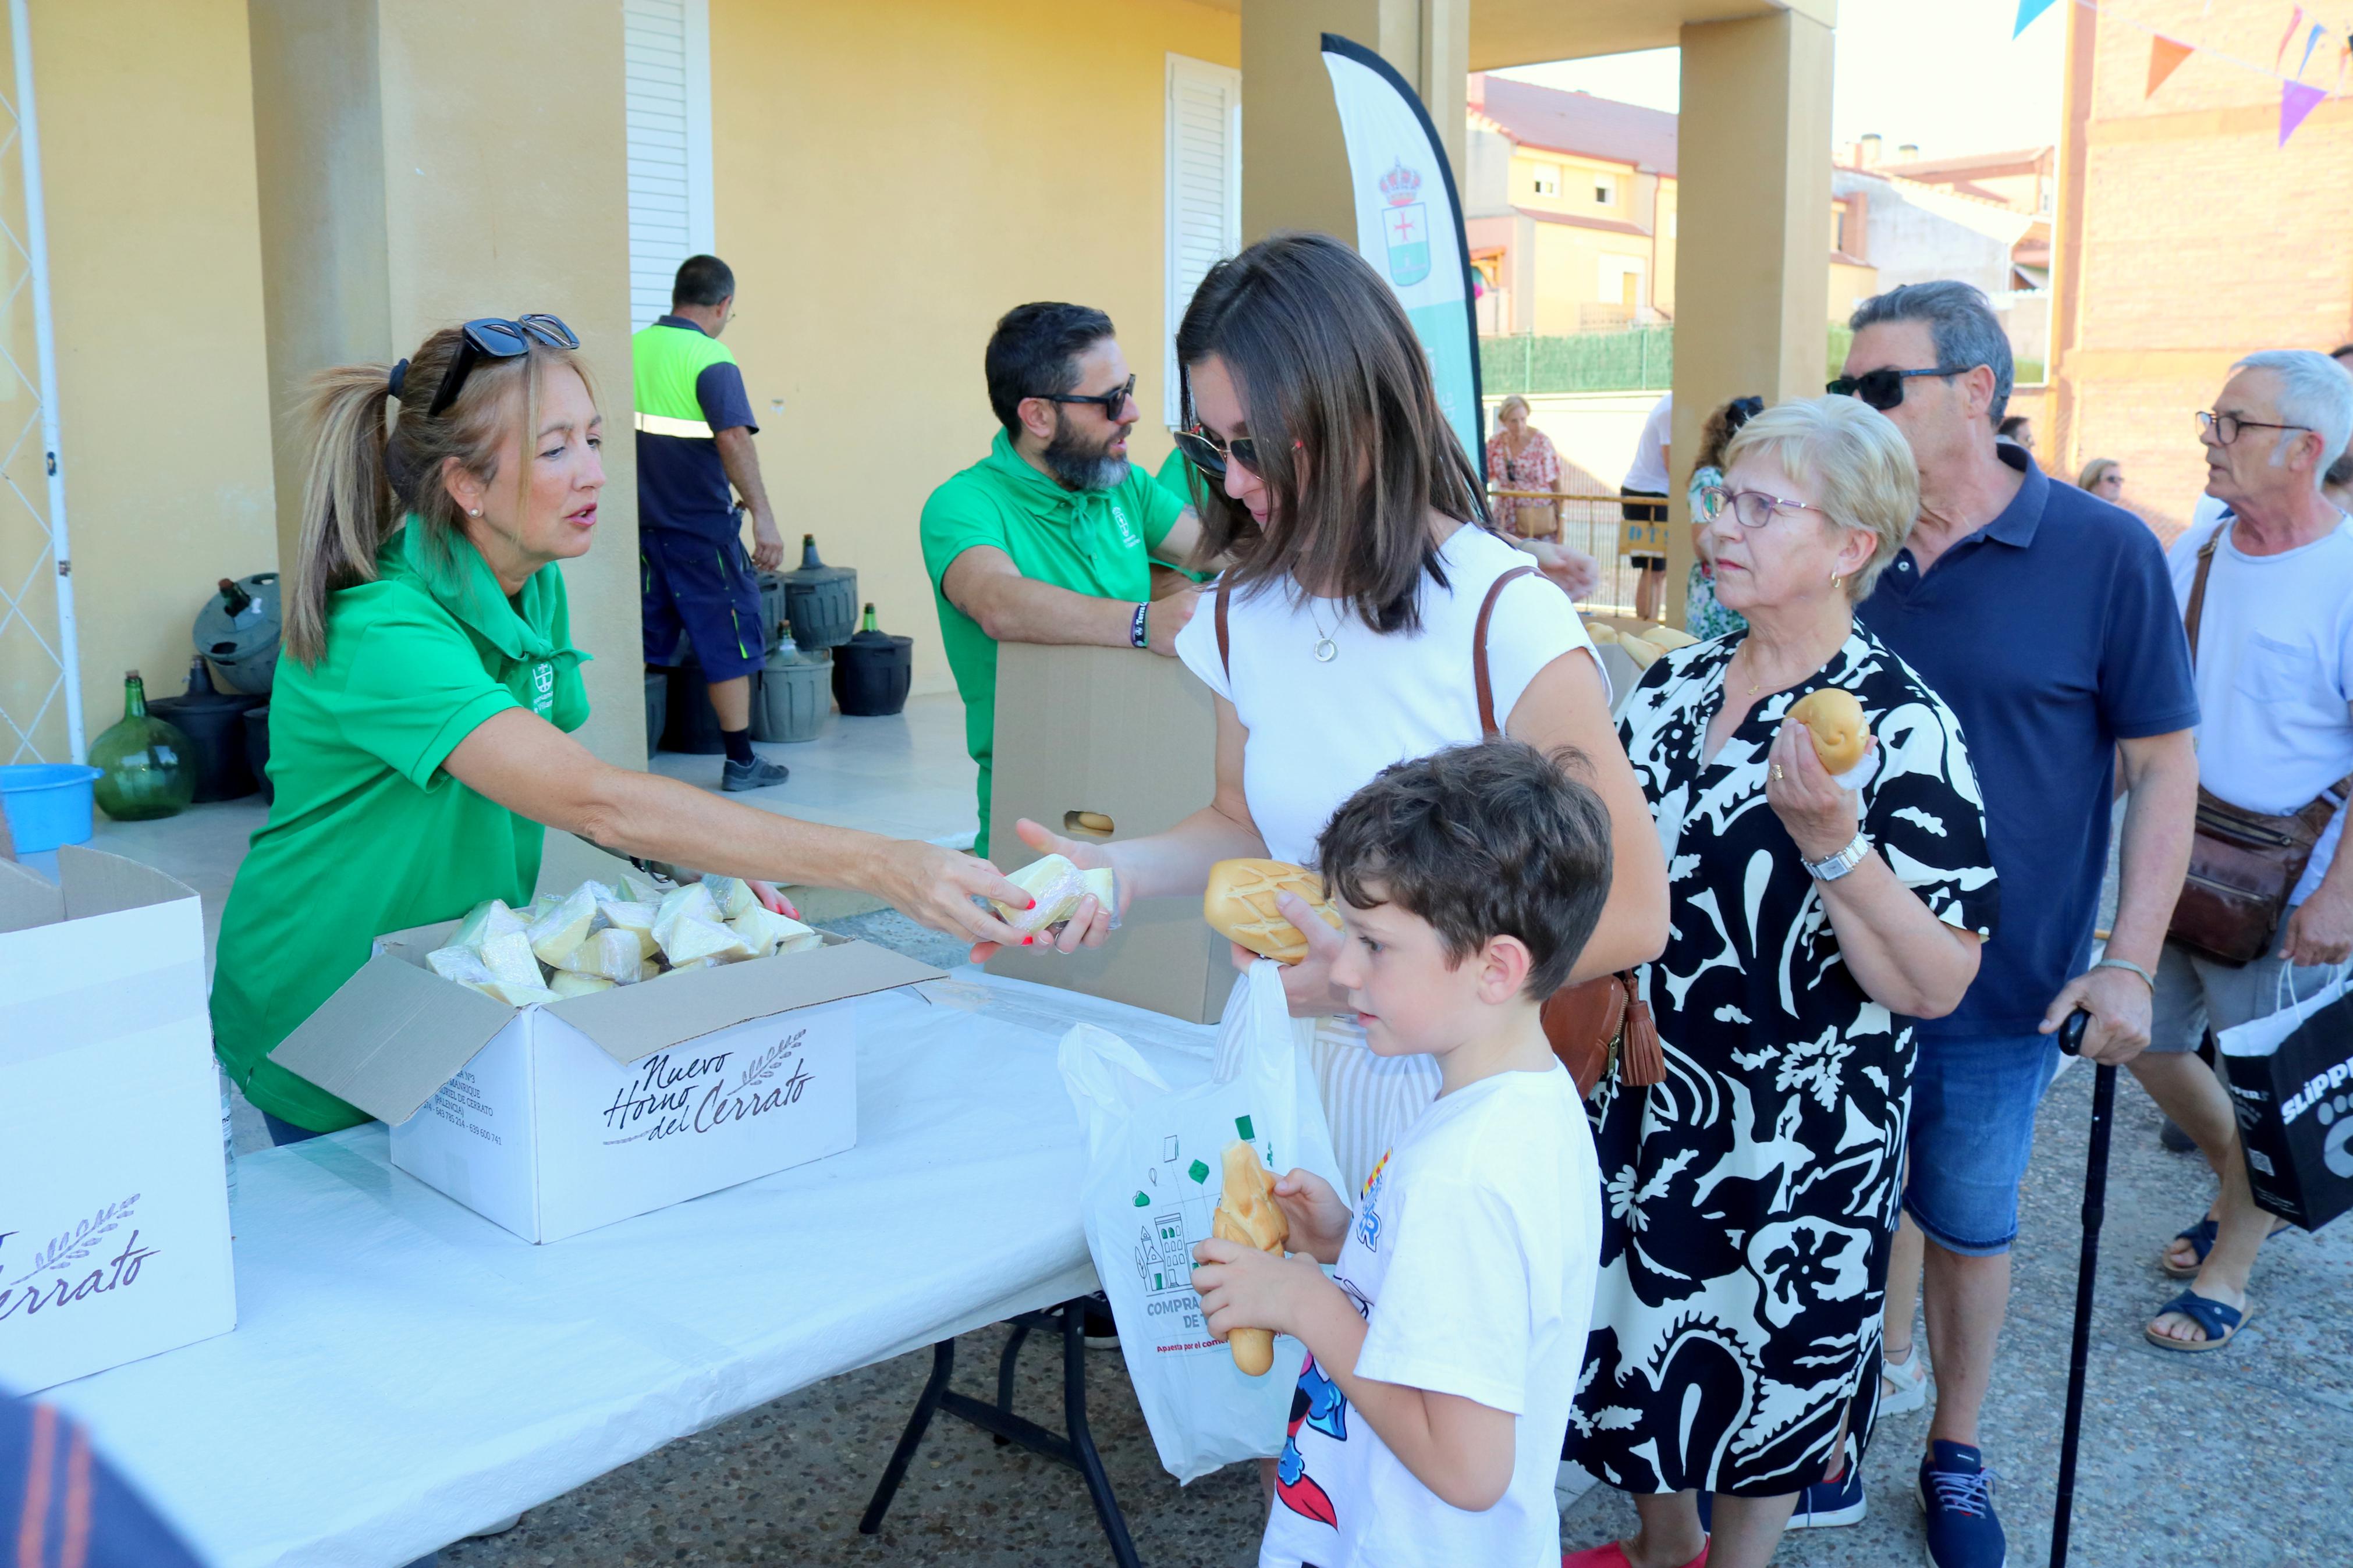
(2164, 57)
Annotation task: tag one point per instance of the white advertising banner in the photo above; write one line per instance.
(1409, 223)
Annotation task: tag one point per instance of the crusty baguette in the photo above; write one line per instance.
(1248, 1213)
(1642, 651)
(1835, 719)
(1239, 904)
(1669, 638)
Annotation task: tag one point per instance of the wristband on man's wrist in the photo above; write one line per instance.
(2129, 966)
(1139, 633)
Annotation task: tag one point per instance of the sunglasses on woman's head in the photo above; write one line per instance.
(1883, 389)
(494, 338)
(1210, 455)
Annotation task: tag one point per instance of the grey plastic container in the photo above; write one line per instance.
(238, 631)
(821, 601)
(794, 697)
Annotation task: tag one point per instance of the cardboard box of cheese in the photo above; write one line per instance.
(114, 1224)
(558, 1117)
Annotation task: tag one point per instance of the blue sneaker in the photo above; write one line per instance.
(1955, 1493)
(1819, 1506)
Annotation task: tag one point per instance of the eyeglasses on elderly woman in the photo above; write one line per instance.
(1751, 509)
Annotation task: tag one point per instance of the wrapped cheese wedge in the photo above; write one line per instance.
(570, 984)
(691, 939)
(691, 903)
(634, 888)
(764, 932)
(613, 953)
(486, 920)
(462, 964)
(554, 935)
(732, 894)
(1240, 905)
(1058, 887)
(516, 995)
(689, 966)
(511, 961)
(635, 919)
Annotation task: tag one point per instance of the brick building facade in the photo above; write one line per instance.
(2186, 237)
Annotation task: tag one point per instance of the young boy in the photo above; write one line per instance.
(1444, 1352)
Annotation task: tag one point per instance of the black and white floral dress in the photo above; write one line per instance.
(1749, 1199)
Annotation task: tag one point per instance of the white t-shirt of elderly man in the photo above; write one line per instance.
(2275, 671)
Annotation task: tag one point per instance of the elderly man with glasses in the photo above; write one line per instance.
(2045, 618)
(1052, 537)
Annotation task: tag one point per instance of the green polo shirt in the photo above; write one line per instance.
(1097, 543)
(367, 835)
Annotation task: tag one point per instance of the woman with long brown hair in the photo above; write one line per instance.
(1347, 634)
(421, 723)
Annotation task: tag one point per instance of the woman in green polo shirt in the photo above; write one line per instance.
(420, 725)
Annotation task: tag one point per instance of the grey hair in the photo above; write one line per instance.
(1961, 322)
(1858, 462)
(1505, 406)
(2315, 392)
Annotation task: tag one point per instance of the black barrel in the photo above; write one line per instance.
(213, 722)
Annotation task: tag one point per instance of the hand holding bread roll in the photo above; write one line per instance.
(1248, 1213)
(1239, 904)
(1835, 719)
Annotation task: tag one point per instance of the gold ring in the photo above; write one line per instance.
(1777, 773)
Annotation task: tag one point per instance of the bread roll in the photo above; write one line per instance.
(1642, 651)
(1836, 722)
(1247, 1213)
(1599, 632)
(1239, 904)
(1669, 638)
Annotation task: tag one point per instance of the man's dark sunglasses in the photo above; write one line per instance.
(1210, 455)
(494, 337)
(1113, 403)
(1883, 389)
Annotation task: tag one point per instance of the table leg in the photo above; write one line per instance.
(1005, 1368)
(1082, 1443)
(943, 1363)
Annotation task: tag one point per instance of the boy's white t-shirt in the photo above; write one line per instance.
(1474, 1257)
(2274, 675)
(1320, 731)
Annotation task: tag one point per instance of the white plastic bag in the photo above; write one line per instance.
(1153, 1178)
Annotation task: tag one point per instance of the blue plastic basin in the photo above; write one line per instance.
(47, 803)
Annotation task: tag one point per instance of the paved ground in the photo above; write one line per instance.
(2241, 1457)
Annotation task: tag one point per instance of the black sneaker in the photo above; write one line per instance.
(755, 774)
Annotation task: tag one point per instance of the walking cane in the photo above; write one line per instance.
(2095, 1201)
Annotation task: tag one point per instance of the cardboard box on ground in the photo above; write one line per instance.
(555, 1119)
(1131, 738)
(114, 1224)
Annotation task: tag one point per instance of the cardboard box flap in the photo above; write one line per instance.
(391, 1037)
(632, 1021)
(28, 899)
(97, 883)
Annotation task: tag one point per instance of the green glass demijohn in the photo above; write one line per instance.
(146, 767)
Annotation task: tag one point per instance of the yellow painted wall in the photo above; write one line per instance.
(890, 180)
(163, 404)
(1569, 272)
(1849, 286)
(1576, 186)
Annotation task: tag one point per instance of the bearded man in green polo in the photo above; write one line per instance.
(1052, 537)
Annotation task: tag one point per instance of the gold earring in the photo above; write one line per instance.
(1834, 579)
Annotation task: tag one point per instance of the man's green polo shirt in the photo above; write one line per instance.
(1097, 543)
(367, 834)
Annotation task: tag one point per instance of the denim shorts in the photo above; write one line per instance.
(1973, 1101)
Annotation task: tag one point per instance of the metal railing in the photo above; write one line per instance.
(1595, 524)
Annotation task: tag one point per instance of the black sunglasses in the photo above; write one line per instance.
(493, 337)
(1113, 403)
(1211, 454)
(1883, 389)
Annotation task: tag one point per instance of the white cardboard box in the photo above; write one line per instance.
(114, 1228)
(559, 1117)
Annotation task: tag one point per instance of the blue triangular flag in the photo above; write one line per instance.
(2027, 11)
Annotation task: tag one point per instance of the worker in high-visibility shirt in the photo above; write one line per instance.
(694, 441)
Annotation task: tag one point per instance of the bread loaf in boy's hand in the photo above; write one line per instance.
(1247, 1213)
(1239, 904)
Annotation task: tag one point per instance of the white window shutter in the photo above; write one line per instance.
(1203, 190)
(667, 67)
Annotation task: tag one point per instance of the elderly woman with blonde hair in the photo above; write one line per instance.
(1818, 905)
(1521, 457)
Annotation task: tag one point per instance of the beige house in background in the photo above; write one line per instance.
(239, 192)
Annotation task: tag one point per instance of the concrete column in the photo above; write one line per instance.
(1294, 164)
(426, 160)
(1752, 264)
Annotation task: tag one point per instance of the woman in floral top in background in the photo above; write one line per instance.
(1705, 616)
(1521, 457)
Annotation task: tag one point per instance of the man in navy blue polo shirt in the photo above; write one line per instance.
(2045, 618)
(695, 440)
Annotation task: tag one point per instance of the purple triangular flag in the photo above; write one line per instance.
(2027, 11)
(2296, 100)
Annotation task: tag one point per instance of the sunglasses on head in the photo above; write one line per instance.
(1113, 403)
(1211, 454)
(1883, 389)
(495, 338)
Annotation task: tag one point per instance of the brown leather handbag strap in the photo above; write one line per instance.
(1225, 638)
(2189, 617)
(1487, 725)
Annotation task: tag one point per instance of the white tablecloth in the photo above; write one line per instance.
(405, 1372)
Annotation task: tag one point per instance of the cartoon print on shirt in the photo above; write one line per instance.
(1368, 1214)
(1317, 1402)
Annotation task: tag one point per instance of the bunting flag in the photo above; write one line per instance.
(2165, 57)
(2295, 20)
(2310, 44)
(2029, 9)
(2296, 100)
